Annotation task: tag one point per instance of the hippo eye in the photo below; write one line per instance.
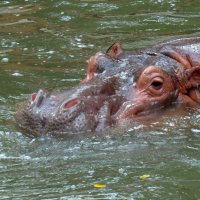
(157, 84)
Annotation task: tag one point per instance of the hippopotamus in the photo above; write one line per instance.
(119, 86)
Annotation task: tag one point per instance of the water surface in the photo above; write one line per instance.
(44, 44)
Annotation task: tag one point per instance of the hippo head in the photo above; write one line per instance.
(117, 87)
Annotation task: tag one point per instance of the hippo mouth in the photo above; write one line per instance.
(137, 111)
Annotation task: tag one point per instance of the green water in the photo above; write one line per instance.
(44, 44)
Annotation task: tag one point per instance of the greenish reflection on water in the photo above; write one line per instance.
(44, 44)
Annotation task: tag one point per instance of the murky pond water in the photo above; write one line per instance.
(44, 44)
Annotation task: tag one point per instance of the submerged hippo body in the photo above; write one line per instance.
(119, 86)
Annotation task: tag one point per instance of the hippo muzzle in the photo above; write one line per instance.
(83, 109)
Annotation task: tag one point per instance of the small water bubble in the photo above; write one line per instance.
(139, 127)
(130, 130)
(65, 18)
(171, 124)
(32, 141)
(73, 187)
(2, 155)
(81, 45)
(197, 116)
(90, 45)
(14, 43)
(51, 52)
(24, 157)
(17, 74)
(91, 172)
(193, 148)
(122, 171)
(195, 130)
(40, 50)
(4, 60)
(6, 2)
(78, 39)
(123, 75)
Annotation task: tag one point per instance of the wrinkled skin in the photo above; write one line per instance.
(119, 86)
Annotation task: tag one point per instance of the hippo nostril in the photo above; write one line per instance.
(37, 98)
(33, 96)
(71, 103)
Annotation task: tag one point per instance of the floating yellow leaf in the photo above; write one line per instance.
(99, 185)
(144, 177)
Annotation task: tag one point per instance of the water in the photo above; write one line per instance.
(44, 44)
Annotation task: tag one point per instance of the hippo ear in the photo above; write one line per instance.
(177, 55)
(114, 50)
(186, 58)
(193, 83)
(193, 76)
